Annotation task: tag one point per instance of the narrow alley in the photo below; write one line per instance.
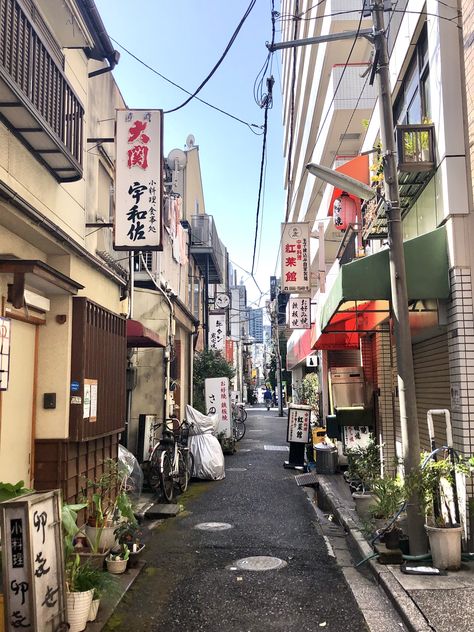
(193, 579)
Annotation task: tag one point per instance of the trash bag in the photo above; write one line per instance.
(204, 446)
(134, 473)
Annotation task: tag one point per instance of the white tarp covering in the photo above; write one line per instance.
(204, 446)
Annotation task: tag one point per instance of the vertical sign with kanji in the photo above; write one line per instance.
(217, 331)
(218, 402)
(299, 418)
(33, 565)
(295, 261)
(299, 313)
(138, 180)
(5, 327)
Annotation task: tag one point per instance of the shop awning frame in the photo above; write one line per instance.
(139, 336)
(368, 279)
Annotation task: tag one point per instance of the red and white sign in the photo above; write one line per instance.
(295, 261)
(5, 329)
(138, 180)
(218, 402)
(299, 313)
(299, 418)
(217, 331)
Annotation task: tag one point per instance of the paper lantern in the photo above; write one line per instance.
(344, 211)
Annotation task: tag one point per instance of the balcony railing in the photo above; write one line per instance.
(206, 248)
(36, 101)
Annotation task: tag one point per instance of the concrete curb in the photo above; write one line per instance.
(401, 600)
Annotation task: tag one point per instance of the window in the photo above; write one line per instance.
(413, 102)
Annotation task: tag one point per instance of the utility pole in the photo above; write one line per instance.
(400, 312)
(406, 373)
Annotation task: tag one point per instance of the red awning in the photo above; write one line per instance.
(357, 168)
(140, 336)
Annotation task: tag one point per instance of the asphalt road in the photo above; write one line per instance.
(189, 583)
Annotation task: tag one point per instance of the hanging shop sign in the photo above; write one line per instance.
(295, 261)
(299, 313)
(5, 331)
(33, 566)
(345, 211)
(218, 402)
(299, 418)
(138, 184)
(229, 350)
(217, 332)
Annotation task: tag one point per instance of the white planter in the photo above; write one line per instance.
(103, 536)
(93, 610)
(364, 503)
(445, 547)
(78, 607)
(116, 567)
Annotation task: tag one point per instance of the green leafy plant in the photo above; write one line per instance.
(8, 491)
(129, 534)
(431, 482)
(363, 465)
(307, 392)
(208, 363)
(122, 554)
(390, 495)
(83, 577)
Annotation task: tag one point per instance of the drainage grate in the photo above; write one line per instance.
(311, 478)
(213, 526)
(260, 563)
(276, 448)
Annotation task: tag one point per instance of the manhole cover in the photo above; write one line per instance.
(260, 563)
(276, 448)
(213, 526)
(235, 469)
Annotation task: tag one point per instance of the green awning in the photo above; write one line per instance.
(367, 279)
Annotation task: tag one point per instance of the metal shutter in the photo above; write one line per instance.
(431, 363)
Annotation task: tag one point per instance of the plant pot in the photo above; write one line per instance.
(364, 503)
(78, 607)
(116, 567)
(102, 538)
(93, 610)
(95, 560)
(445, 547)
(135, 556)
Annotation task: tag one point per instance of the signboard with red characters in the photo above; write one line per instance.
(299, 420)
(295, 261)
(138, 180)
(218, 402)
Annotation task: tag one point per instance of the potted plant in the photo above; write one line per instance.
(117, 561)
(130, 535)
(363, 470)
(389, 494)
(76, 541)
(80, 583)
(434, 483)
(107, 501)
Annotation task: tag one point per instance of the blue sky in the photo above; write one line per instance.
(183, 40)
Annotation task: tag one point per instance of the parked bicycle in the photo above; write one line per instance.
(239, 415)
(171, 462)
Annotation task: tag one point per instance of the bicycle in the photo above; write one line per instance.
(171, 461)
(239, 415)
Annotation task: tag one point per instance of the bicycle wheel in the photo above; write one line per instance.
(239, 430)
(183, 472)
(166, 476)
(153, 470)
(243, 416)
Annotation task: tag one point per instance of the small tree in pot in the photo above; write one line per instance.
(363, 469)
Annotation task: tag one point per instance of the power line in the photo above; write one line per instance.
(219, 61)
(173, 83)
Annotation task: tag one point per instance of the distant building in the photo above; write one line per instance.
(256, 324)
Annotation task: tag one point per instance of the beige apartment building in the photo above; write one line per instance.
(63, 294)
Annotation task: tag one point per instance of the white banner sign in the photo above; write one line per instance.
(299, 418)
(138, 185)
(217, 332)
(33, 565)
(5, 328)
(299, 313)
(295, 259)
(218, 402)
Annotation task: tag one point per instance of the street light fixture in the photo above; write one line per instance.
(341, 181)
